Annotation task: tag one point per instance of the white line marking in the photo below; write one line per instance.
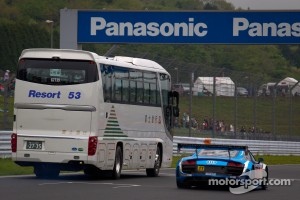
(86, 183)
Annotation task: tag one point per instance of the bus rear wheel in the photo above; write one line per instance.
(153, 172)
(93, 172)
(116, 173)
(46, 171)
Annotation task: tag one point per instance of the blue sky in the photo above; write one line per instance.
(267, 4)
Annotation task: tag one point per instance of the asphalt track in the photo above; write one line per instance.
(135, 185)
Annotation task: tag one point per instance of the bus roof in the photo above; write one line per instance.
(130, 62)
(58, 53)
(134, 63)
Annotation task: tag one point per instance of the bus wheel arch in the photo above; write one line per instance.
(159, 145)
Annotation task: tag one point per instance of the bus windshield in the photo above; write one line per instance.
(57, 72)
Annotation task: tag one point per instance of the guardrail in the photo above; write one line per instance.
(261, 147)
(5, 148)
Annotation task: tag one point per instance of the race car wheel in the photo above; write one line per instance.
(265, 184)
(181, 185)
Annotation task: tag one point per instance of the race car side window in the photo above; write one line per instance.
(249, 156)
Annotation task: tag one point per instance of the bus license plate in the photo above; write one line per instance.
(34, 145)
(200, 168)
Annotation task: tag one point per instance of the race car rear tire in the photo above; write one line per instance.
(181, 185)
(265, 185)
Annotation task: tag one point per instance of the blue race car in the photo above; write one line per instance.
(230, 165)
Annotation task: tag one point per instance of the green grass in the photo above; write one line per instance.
(283, 112)
(8, 167)
(280, 160)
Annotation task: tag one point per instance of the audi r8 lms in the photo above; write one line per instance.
(218, 164)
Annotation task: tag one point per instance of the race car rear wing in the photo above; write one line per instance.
(210, 146)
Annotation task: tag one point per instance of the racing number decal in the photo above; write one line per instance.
(74, 95)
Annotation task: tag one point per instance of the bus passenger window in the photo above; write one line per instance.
(153, 100)
(125, 90)
(118, 90)
(106, 74)
(146, 93)
(140, 92)
(133, 92)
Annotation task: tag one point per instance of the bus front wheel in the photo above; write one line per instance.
(153, 172)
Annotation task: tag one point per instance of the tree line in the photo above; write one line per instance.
(22, 25)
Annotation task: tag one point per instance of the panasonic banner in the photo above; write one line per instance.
(174, 27)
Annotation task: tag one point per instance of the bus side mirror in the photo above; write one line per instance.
(168, 111)
(176, 96)
(176, 111)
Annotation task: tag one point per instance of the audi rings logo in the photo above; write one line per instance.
(211, 162)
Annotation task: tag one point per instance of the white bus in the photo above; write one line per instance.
(75, 110)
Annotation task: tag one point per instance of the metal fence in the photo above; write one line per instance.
(257, 147)
(275, 116)
(5, 147)
(261, 147)
(6, 106)
(270, 110)
(217, 107)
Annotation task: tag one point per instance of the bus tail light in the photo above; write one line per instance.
(93, 142)
(14, 142)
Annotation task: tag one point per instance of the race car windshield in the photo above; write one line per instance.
(217, 152)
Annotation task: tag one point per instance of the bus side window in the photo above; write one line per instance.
(23, 74)
(125, 90)
(140, 92)
(118, 90)
(137, 88)
(150, 80)
(133, 91)
(106, 82)
(153, 94)
(146, 93)
(165, 88)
